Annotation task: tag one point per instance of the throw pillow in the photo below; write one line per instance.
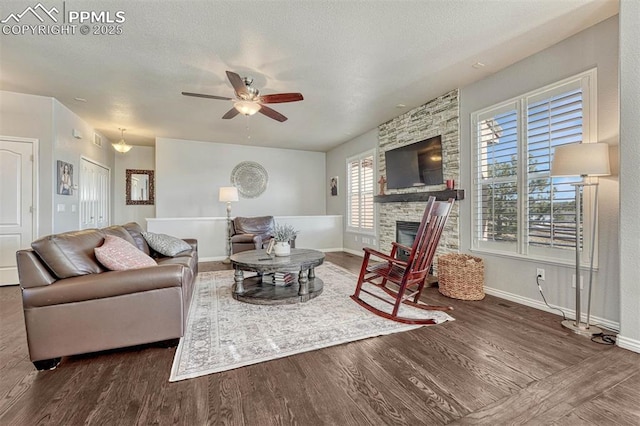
(166, 244)
(117, 254)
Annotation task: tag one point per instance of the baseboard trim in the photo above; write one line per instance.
(211, 259)
(627, 343)
(330, 250)
(533, 303)
(354, 252)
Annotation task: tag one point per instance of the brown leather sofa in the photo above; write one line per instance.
(73, 305)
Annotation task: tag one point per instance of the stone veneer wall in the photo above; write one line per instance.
(437, 117)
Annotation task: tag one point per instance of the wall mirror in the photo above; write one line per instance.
(140, 187)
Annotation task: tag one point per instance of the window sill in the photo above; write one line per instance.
(534, 259)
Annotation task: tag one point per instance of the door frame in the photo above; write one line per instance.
(35, 190)
(109, 199)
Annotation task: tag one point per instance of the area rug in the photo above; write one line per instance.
(223, 333)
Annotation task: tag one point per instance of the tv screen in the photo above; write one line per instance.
(418, 164)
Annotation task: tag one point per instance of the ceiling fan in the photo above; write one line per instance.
(248, 100)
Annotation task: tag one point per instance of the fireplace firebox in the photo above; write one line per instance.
(405, 235)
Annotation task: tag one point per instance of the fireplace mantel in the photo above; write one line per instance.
(443, 195)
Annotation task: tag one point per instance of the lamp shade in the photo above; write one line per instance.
(121, 146)
(581, 159)
(228, 193)
(247, 107)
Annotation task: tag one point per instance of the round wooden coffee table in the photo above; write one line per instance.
(252, 290)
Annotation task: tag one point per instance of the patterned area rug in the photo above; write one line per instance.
(223, 334)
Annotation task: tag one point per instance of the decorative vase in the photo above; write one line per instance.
(282, 248)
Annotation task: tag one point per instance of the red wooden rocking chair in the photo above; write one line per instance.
(407, 277)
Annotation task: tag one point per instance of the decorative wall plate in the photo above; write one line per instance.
(250, 178)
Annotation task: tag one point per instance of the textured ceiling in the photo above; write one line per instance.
(354, 61)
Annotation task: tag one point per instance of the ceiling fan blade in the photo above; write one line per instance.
(200, 95)
(271, 113)
(231, 113)
(237, 83)
(281, 97)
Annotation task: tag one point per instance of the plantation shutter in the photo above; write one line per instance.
(554, 118)
(366, 194)
(518, 208)
(496, 195)
(354, 194)
(361, 173)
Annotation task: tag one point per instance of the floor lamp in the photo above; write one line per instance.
(228, 194)
(582, 159)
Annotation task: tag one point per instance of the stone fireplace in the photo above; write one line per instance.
(439, 116)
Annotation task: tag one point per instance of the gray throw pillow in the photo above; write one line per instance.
(166, 244)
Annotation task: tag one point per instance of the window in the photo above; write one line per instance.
(360, 180)
(518, 207)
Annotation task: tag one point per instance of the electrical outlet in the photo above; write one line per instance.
(573, 282)
(540, 274)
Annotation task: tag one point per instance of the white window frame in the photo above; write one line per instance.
(359, 229)
(521, 248)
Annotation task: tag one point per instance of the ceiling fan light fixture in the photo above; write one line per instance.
(122, 146)
(247, 107)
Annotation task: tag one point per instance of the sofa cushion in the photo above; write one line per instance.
(121, 232)
(136, 231)
(70, 254)
(166, 244)
(117, 254)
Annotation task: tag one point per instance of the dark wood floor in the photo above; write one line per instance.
(498, 363)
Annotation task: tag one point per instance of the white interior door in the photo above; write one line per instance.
(94, 195)
(17, 218)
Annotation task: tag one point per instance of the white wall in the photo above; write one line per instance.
(70, 150)
(139, 158)
(316, 232)
(189, 173)
(31, 116)
(629, 175)
(336, 166)
(515, 278)
(52, 124)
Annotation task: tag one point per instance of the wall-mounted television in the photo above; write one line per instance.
(418, 164)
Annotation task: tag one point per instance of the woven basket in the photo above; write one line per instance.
(461, 276)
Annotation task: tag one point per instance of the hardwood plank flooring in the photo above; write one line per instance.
(498, 363)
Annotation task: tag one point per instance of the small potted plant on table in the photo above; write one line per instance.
(283, 234)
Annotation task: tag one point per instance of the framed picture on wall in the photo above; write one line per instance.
(333, 185)
(65, 178)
